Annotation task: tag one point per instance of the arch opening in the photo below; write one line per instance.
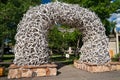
(31, 46)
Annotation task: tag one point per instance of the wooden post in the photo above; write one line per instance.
(1, 71)
(117, 42)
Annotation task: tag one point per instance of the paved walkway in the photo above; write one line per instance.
(71, 73)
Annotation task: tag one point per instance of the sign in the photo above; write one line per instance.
(67, 56)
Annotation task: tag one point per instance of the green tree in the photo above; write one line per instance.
(61, 40)
(55, 38)
(103, 8)
(11, 12)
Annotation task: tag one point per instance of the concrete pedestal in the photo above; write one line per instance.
(112, 66)
(32, 71)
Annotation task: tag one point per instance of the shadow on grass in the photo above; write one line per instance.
(62, 61)
(8, 57)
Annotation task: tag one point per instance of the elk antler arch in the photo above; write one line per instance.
(31, 44)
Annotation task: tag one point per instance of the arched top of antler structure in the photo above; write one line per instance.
(31, 44)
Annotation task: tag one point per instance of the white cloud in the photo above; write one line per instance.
(118, 15)
(117, 25)
(115, 17)
(118, 20)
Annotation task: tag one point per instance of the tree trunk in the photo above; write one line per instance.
(77, 48)
(2, 51)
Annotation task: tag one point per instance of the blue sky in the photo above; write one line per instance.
(112, 1)
(115, 17)
(45, 1)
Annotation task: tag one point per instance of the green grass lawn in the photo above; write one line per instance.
(58, 58)
(62, 59)
(8, 57)
(54, 58)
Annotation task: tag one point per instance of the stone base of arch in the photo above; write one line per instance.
(111, 66)
(32, 71)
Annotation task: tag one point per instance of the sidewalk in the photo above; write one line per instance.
(69, 72)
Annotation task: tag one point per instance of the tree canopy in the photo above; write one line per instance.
(103, 8)
(62, 40)
(11, 12)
